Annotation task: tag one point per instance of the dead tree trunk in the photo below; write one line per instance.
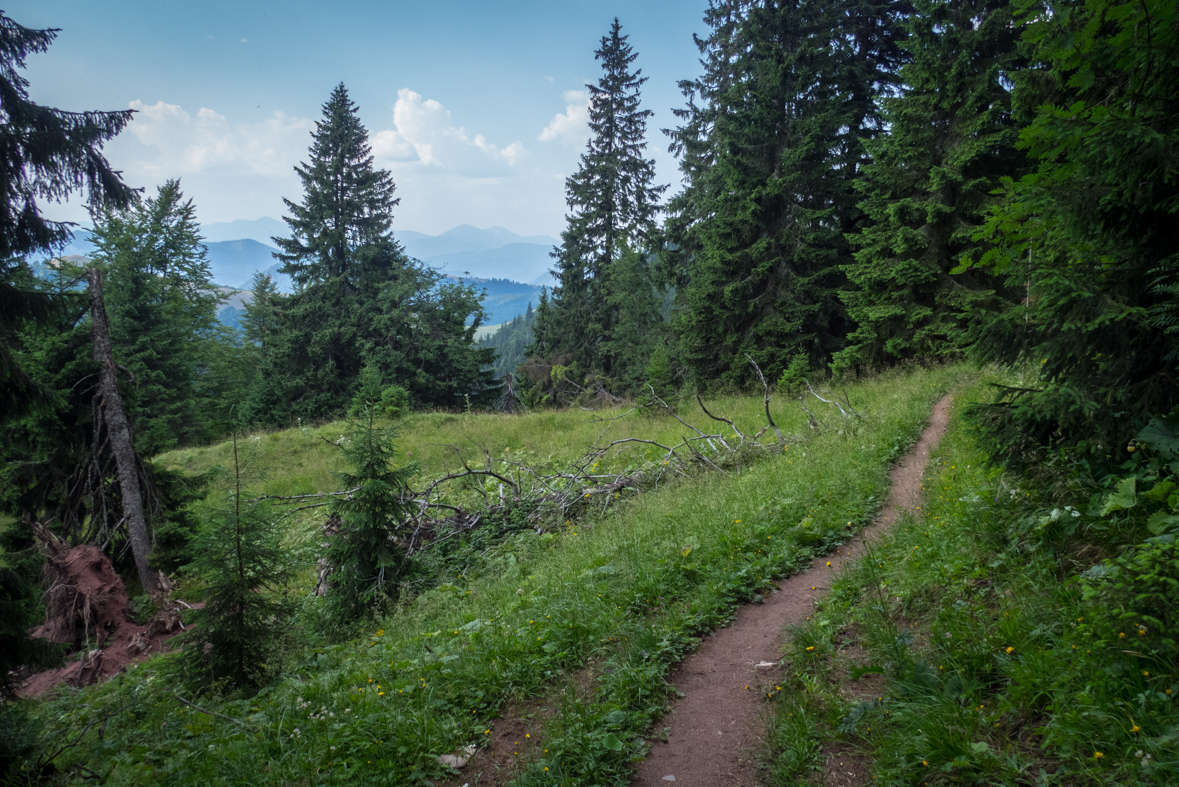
(119, 434)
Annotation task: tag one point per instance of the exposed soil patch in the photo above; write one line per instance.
(90, 613)
(715, 727)
(513, 742)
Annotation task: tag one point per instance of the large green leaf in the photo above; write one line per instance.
(1125, 497)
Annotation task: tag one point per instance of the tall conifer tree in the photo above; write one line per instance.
(162, 307)
(613, 201)
(358, 298)
(341, 251)
(45, 153)
(771, 145)
(1091, 234)
(951, 139)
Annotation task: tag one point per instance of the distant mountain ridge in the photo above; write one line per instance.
(511, 267)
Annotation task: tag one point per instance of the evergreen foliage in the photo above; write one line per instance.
(261, 319)
(639, 323)
(367, 554)
(1091, 234)
(612, 202)
(245, 570)
(951, 138)
(163, 311)
(358, 297)
(373, 395)
(45, 153)
(770, 156)
(424, 339)
(510, 343)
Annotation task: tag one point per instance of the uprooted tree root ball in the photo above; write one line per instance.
(88, 611)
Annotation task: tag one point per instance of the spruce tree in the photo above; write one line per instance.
(1090, 235)
(341, 251)
(771, 145)
(639, 324)
(162, 306)
(245, 570)
(358, 297)
(613, 202)
(367, 553)
(45, 153)
(260, 322)
(951, 140)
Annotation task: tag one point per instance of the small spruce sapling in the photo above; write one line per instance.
(239, 557)
(372, 394)
(366, 554)
(794, 376)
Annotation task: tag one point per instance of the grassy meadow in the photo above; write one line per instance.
(629, 590)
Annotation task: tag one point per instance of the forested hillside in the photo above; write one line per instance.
(881, 203)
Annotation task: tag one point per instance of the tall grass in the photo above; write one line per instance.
(633, 588)
(1003, 659)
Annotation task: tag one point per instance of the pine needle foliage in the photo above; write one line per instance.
(771, 143)
(358, 297)
(367, 554)
(240, 558)
(613, 203)
(45, 154)
(1091, 234)
(951, 138)
(163, 310)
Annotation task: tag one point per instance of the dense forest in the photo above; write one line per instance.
(867, 185)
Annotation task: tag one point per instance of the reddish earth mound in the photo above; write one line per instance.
(89, 611)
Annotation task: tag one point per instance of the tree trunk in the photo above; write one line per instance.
(119, 434)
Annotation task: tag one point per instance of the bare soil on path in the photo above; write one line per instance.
(714, 730)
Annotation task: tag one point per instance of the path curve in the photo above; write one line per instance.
(716, 726)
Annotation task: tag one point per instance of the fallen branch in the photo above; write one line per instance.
(766, 388)
(835, 402)
(199, 709)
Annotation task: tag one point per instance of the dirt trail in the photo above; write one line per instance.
(714, 729)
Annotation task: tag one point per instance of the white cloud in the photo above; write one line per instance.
(178, 143)
(445, 173)
(570, 127)
(424, 133)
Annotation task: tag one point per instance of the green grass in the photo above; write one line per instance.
(1008, 656)
(304, 460)
(634, 588)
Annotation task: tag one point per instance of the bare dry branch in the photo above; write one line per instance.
(766, 388)
(721, 419)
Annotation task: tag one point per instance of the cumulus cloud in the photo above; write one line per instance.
(176, 142)
(570, 127)
(424, 133)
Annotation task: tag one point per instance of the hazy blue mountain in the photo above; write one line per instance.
(494, 259)
(234, 261)
(281, 280)
(465, 239)
(260, 230)
(81, 245)
(517, 261)
(503, 298)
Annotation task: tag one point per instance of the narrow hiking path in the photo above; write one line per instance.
(714, 729)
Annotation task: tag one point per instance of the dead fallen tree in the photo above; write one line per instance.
(476, 492)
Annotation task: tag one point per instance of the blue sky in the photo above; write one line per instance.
(478, 108)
